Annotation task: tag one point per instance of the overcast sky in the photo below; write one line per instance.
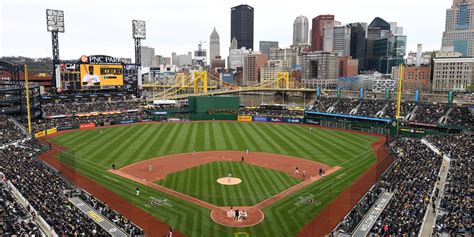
(104, 27)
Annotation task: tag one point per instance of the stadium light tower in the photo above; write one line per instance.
(139, 33)
(55, 25)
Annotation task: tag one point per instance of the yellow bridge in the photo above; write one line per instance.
(202, 83)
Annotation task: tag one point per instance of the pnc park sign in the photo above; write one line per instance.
(100, 59)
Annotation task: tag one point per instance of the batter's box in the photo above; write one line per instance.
(307, 200)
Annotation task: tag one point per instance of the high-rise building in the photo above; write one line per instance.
(214, 45)
(385, 49)
(452, 72)
(148, 56)
(459, 32)
(236, 58)
(252, 64)
(359, 43)
(288, 54)
(348, 67)
(241, 25)
(265, 46)
(300, 30)
(200, 56)
(319, 69)
(317, 31)
(337, 39)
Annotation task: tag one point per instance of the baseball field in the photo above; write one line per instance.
(176, 165)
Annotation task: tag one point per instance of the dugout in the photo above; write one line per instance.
(213, 107)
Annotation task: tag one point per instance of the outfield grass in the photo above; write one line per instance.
(257, 184)
(94, 152)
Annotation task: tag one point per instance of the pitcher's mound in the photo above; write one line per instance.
(229, 181)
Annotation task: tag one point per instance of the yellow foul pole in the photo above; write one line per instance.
(399, 91)
(27, 93)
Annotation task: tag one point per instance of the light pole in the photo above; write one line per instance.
(138, 33)
(55, 25)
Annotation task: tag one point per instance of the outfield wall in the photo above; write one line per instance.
(339, 207)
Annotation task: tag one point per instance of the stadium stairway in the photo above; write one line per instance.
(430, 215)
(21, 127)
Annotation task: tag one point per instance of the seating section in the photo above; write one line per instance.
(455, 215)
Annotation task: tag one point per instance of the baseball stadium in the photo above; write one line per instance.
(106, 147)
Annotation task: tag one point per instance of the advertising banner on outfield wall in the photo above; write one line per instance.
(124, 121)
(87, 125)
(51, 131)
(244, 118)
(260, 119)
(312, 121)
(293, 120)
(276, 120)
(40, 134)
(67, 127)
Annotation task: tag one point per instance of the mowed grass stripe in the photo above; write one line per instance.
(98, 149)
(243, 130)
(319, 147)
(179, 140)
(253, 191)
(280, 146)
(269, 146)
(222, 141)
(243, 143)
(128, 149)
(168, 138)
(151, 141)
(84, 145)
(191, 138)
(287, 146)
(212, 136)
(233, 143)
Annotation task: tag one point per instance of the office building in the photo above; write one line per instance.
(236, 58)
(214, 45)
(359, 43)
(148, 56)
(265, 46)
(348, 67)
(317, 31)
(287, 54)
(241, 25)
(300, 30)
(200, 56)
(455, 73)
(337, 39)
(252, 64)
(385, 49)
(459, 31)
(319, 69)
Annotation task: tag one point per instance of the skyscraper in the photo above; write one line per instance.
(148, 54)
(459, 32)
(359, 43)
(317, 31)
(214, 45)
(265, 46)
(300, 30)
(337, 39)
(241, 25)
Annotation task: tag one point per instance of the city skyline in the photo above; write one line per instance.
(109, 31)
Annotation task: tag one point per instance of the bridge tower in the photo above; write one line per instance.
(283, 77)
(200, 76)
